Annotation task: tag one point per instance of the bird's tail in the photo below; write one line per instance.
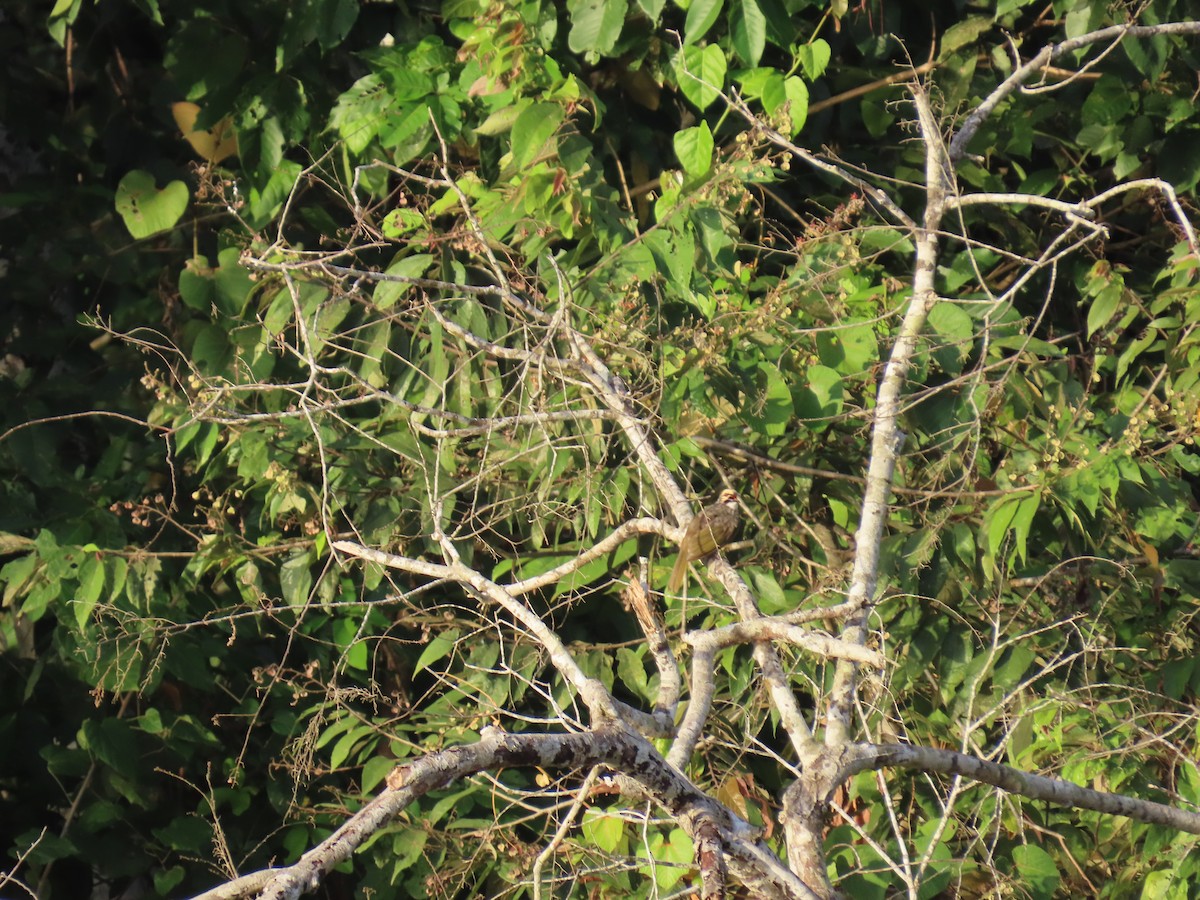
(678, 574)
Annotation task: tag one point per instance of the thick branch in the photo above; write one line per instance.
(1035, 787)
(886, 437)
(709, 824)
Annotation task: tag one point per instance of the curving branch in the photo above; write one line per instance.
(1047, 55)
(600, 703)
(720, 838)
(1033, 787)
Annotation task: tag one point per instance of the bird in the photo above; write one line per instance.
(707, 533)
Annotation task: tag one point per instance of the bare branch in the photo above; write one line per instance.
(1049, 53)
(886, 437)
(633, 757)
(1034, 787)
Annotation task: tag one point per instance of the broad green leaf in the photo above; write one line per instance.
(358, 114)
(345, 632)
(62, 15)
(675, 848)
(603, 830)
(877, 115)
(1037, 868)
(211, 350)
(533, 129)
(408, 848)
(413, 265)
(851, 350)
(701, 74)
(501, 120)
(694, 147)
(701, 15)
(144, 209)
(999, 520)
(196, 287)
(295, 579)
(595, 25)
(91, 585)
(402, 221)
(409, 136)
(747, 30)
(820, 397)
(771, 409)
(1104, 306)
(814, 58)
(374, 770)
(962, 33)
(351, 741)
(438, 648)
(1109, 102)
(265, 202)
(796, 92)
(954, 332)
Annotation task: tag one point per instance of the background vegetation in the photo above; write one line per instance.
(193, 685)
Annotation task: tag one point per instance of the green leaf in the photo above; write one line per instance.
(232, 282)
(998, 520)
(409, 136)
(771, 410)
(358, 113)
(955, 335)
(64, 14)
(701, 74)
(375, 770)
(211, 350)
(960, 34)
(501, 120)
(595, 25)
(195, 284)
(877, 115)
(1109, 102)
(603, 830)
(91, 585)
(533, 128)
(295, 579)
(16, 574)
(694, 147)
(145, 209)
(747, 30)
(675, 848)
(821, 396)
(438, 648)
(1105, 305)
(700, 17)
(796, 92)
(408, 848)
(1022, 521)
(402, 221)
(345, 632)
(349, 742)
(1038, 870)
(814, 58)
(674, 255)
(851, 350)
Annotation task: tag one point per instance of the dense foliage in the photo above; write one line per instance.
(209, 386)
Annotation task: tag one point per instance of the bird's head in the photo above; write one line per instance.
(728, 496)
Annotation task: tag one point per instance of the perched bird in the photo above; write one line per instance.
(707, 533)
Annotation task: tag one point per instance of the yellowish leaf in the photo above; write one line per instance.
(212, 145)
